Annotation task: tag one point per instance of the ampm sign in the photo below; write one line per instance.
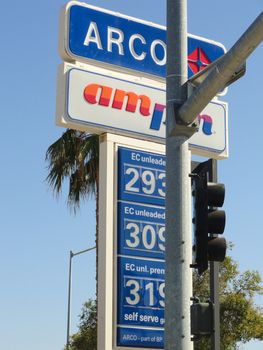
(98, 101)
(97, 36)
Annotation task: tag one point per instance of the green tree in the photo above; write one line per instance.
(241, 320)
(74, 157)
(86, 338)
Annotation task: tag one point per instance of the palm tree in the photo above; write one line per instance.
(75, 157)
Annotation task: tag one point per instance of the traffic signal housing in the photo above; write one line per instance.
(202, 318)
(208, 221)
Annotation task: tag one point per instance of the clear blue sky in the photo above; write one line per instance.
(36, 230)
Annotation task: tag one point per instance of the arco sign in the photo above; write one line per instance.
(105, 38)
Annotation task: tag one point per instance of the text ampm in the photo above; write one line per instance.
(102, 95)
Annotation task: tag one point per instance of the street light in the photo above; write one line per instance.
(71, 255)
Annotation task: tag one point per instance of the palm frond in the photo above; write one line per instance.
(75, 157)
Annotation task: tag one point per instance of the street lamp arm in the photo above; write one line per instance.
(222, 72)
(82, 251)
(71, 255)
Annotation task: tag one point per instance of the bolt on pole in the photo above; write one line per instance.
(178, 255)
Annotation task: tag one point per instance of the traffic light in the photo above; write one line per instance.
(202, 318)
(208, 221)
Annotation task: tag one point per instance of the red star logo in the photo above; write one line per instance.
(197, 60)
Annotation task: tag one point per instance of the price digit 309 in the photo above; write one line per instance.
(149, 237)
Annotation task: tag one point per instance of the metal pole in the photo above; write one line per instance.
(69, 296)
(71, 255)
(214, 296)
(214, 278)
(178, 255)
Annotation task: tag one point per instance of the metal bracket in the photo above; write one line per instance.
(181, 128)
(194, 266)
(199, 77)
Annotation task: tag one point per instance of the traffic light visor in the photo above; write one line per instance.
(216, 221)
(216, 249)
(215, 194)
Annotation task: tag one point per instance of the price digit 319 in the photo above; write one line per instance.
(146, 293)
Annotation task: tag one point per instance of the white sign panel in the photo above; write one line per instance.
(98, 101)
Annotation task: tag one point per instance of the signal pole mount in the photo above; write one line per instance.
(178, 254)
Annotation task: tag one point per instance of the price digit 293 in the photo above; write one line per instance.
(147, 181)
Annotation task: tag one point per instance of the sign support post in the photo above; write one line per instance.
(105, 243)
(178, 254)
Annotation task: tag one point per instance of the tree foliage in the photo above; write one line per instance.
(74, 157)
(240, 319)
(86, 337)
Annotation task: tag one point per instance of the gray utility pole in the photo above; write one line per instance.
(178, 255)
(181, 114)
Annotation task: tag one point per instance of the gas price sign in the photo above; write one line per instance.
(143, 283)
(141, 245)
(141, 297)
